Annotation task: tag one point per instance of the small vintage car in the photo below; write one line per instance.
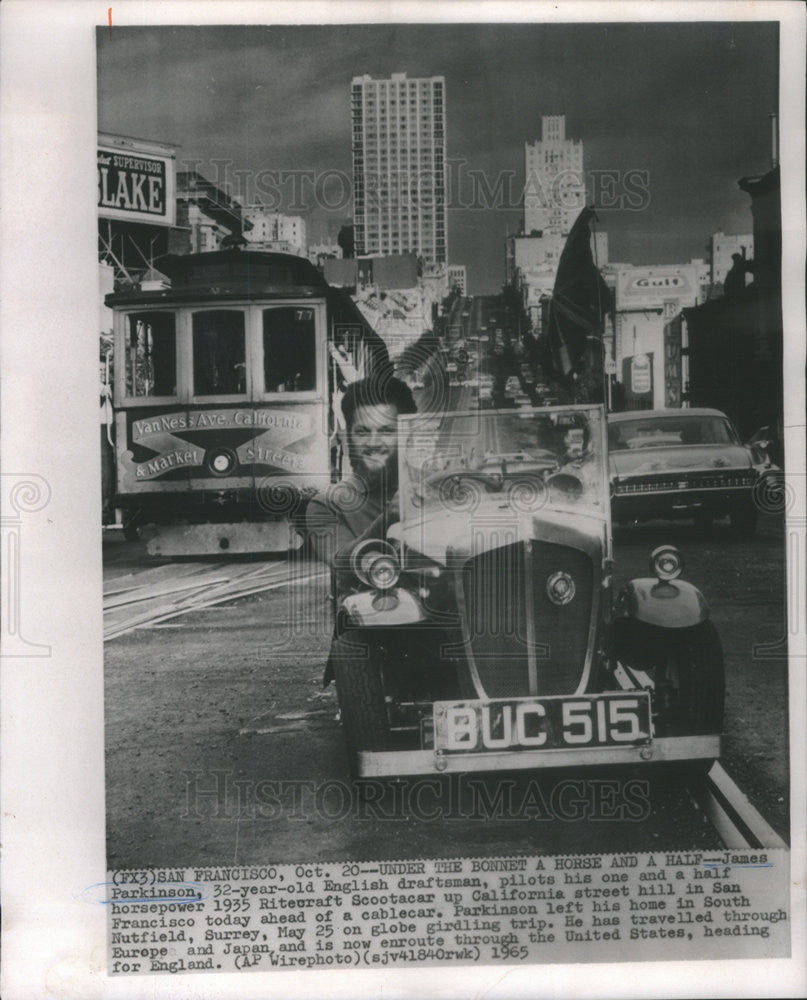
(685, 463)
(485, 629)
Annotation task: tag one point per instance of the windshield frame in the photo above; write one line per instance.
(598, 478)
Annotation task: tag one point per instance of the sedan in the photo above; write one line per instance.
(685, 463)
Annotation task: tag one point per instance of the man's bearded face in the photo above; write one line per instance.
(374, 439)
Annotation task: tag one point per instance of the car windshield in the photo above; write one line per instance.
(527, 459)
(668, 432)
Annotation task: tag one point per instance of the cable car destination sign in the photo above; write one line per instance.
(136, 181)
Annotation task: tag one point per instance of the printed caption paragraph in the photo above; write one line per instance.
(456, 911)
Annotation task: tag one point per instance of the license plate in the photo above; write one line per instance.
(551, 723)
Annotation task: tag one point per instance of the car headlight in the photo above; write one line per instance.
(383, 572)
(560, 588)
(376, 564)
(666, 562)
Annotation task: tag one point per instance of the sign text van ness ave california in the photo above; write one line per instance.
(206, 419)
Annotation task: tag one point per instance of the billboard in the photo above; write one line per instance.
(136, 181)
(650, 287)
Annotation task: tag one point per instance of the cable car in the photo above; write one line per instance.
(226, 392)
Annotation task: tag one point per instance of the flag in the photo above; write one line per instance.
(579, 300)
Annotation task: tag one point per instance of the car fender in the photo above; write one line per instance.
(371, 609)
(664, 603)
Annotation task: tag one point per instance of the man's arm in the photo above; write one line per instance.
(334, 533)
(329, 533)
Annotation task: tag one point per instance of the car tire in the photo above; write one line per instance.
(686, 666)
(363, 709)
(743, 517)
(696, 654)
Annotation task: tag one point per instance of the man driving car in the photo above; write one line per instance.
(362, 505)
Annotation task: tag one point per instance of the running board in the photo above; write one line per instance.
(389, 763)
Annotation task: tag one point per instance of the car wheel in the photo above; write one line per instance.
(694, 666)
(360, 693)
(743, 518)
(685, 667)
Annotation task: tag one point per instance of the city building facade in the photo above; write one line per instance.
(319, 252)
(399, 170)
(554, 196)
(532, 264)
(457, 278)
(734, 342)
(205, 215)
(646, 356)
(555, 186)
(274, 231)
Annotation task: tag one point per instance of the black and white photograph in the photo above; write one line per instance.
(443, 427)
(388, 424)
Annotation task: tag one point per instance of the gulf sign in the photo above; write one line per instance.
(135, 186)
(649, 288)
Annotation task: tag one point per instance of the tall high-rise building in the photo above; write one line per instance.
(555, 186)
(399, 193)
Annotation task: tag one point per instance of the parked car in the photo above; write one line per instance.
(488, 635)
(684, 463)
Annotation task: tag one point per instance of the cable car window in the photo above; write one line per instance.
(219, 353)
(289, 349)
(151, 355)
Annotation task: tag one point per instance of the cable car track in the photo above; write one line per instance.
(153, 596)
(735, 820)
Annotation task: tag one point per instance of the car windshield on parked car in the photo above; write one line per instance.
(666, 432)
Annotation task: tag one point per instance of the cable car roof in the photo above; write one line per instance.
(229, 274)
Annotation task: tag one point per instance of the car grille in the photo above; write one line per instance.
(499, 589)
(685, 481)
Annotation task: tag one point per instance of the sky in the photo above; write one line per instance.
(670, 116)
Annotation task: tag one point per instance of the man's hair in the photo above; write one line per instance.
(381, 389)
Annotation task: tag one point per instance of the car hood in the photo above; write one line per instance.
(644, 461)
(442, 535)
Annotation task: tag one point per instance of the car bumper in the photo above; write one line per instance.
(676, 503)
(389, 763)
